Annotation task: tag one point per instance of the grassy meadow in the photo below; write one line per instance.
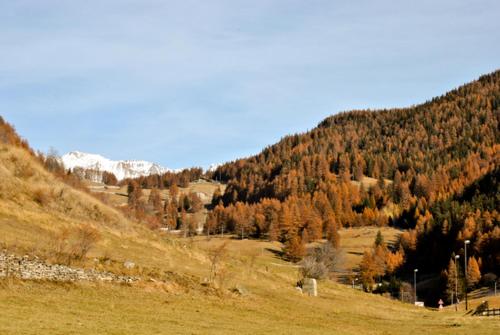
(48, 308)
(269, 303)
(253, 292)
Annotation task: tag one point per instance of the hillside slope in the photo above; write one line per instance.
(304, 187)
(90, 309)
(430, 147)
(36, 208)
(173, 296)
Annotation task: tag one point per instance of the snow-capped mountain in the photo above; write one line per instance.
(121, 169)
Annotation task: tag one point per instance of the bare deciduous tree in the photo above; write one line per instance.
(321, 262)
(216, 256)
(74, 243)
(85, 237)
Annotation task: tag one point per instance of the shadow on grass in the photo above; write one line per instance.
(355, 253)
(276, 253)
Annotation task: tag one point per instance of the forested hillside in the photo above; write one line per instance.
(431, 169)
(42, 216)
(421, 161)
(431, 148)
(440, 233)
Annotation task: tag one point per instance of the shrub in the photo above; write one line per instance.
(42, 196)
(84, 239)
(216, 256)
(321, 262)
(73, 243)
(23, 170)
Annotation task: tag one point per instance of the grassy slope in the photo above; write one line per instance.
(355, 241)
(273, 306)
(35, 308)
(28, 226)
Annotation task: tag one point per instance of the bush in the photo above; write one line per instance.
(218, 272)
(42, 196)
(85, 237)
(22, 170)
(321, 262)
(74, 244)
(489, 278)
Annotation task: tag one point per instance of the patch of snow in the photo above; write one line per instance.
(121, 169)
(213, 167)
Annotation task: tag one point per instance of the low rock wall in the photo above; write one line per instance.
(32, 268)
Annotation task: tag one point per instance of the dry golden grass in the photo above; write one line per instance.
(36, 207)
(493, 302)
(355, 241)
(367, 182)
(45, 308)
(182, 304)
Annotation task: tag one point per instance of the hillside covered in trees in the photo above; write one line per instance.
(431, 169)
(425, 163)
(446, 142)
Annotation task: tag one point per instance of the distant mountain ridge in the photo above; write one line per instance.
(121, 169)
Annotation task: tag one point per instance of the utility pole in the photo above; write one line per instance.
(466, 242)
(415, 283)
(456, 283)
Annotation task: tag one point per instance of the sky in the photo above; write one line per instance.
(191, 83)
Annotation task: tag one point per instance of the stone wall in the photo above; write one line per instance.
(32, 268)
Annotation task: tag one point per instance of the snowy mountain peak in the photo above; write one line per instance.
(121, 169)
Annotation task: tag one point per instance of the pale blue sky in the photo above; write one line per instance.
(189, 83)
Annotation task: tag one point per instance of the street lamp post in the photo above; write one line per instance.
(415, 282)
(456, 282)
(466, 242)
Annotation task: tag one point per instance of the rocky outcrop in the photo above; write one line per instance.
(32, 268)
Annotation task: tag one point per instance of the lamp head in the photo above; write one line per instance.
(467, 241)
(457, 256)
(416, 270)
